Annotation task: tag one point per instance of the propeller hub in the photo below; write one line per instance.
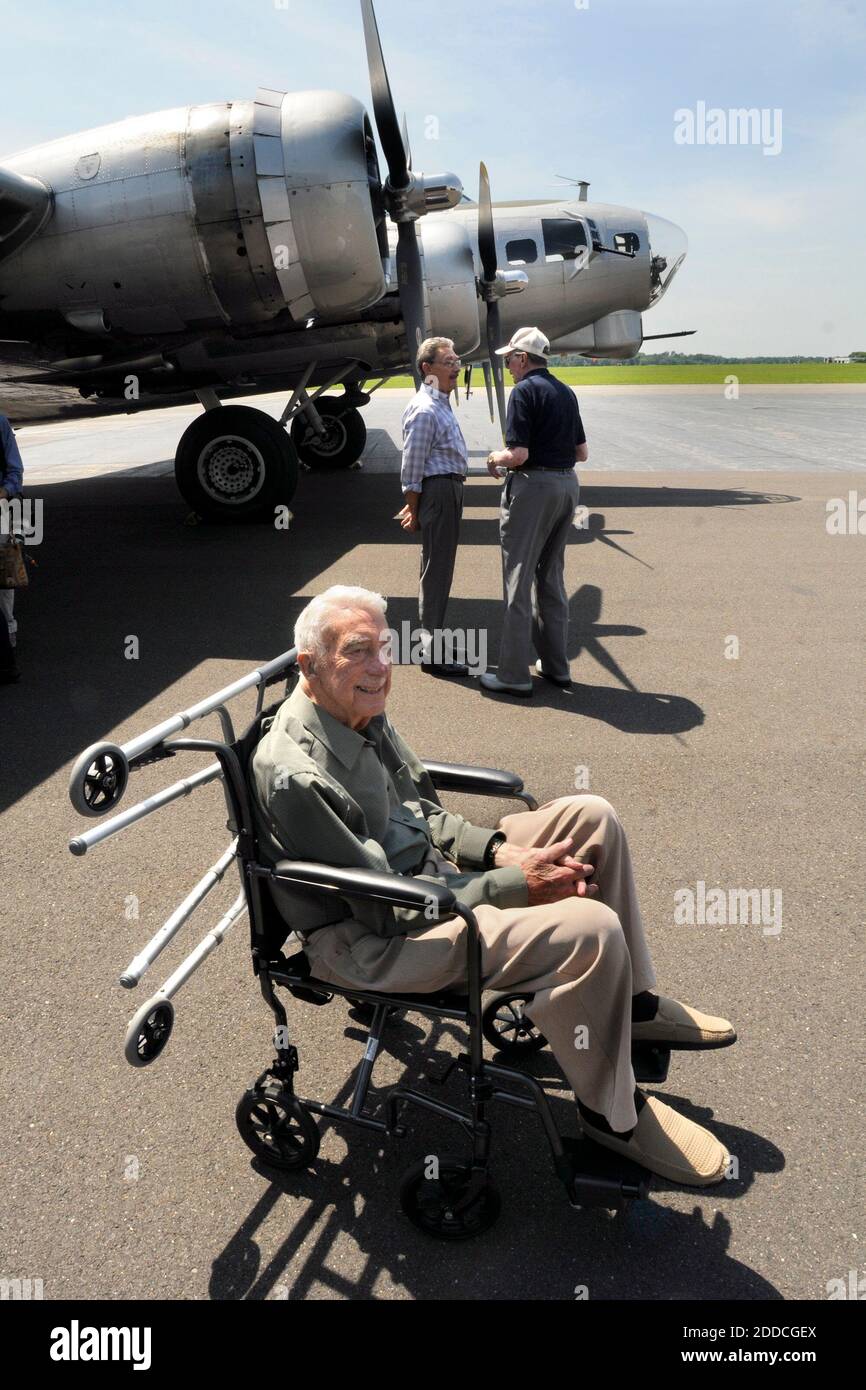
(422, 194)
(505, 282)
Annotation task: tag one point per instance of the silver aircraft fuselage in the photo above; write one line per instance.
(236, 242)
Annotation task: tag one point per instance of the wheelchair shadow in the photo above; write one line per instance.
(345, 1212)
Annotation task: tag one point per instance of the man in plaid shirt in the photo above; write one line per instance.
(434, 467)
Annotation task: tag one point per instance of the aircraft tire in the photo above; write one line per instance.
(343, 443)
(235, 463)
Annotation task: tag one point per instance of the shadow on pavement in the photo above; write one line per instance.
(540, 1248)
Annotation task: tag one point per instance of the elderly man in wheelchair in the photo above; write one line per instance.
(552, 890)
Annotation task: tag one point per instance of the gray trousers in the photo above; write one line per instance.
(535, 520)
(439, 513)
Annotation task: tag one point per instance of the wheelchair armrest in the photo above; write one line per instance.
(480, 781)
(365, 883)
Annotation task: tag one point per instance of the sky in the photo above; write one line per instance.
(589, 89)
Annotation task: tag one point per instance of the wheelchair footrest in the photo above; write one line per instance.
(601, 1178)
(650, 1061)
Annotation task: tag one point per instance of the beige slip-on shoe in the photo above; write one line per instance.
(680, 1026)
(667, 1143)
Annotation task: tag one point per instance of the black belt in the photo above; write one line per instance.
(461, 477)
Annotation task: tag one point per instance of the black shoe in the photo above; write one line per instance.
(445, 668)
(554, 680)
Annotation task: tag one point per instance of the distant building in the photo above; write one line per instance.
(843, 361)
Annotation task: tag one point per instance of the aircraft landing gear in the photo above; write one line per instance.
(235, 463)
(342, 443)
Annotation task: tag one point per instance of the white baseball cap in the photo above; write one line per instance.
(527, 340)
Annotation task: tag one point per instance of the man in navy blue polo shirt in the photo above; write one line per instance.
(545, 438)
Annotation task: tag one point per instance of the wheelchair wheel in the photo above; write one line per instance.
(148, 1032)
(98, 779)
(273, 1123)
(506, 1027)
(457, 1204)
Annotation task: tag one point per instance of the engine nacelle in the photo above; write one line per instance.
(203, 216)
(315, 170)
(449, 275)
(617, 335)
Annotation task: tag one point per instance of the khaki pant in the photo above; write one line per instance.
(582, 958)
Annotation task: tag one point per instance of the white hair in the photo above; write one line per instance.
(314, 621)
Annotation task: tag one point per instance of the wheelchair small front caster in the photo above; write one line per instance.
(506, 1027)
(98, 779)
(148, 1032)
(447, 1198)
(273, 1123)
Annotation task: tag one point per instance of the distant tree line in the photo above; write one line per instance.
(676, 359)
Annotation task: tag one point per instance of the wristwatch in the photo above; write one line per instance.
(492, 847)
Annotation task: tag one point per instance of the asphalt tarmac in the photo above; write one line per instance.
(733, 764)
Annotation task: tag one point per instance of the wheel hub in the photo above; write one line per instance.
(231, 469)
(332, 441)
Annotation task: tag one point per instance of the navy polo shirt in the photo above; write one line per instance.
(543, 417)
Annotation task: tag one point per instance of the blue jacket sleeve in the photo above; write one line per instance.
(12, 466)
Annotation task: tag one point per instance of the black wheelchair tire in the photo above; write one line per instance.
(273, 1123)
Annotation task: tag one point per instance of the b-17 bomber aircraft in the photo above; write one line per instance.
(248, 246)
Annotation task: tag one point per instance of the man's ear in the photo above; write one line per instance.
(307, 664)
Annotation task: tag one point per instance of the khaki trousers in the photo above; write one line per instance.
(582, 958)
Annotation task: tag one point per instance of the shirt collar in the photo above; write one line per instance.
(435, 393)
(345, 743)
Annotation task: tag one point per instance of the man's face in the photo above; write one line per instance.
(517, 363)
(445, 369)
(352, 680)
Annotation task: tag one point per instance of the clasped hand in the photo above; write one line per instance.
(551, 873)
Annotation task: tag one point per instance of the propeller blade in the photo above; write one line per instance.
(486, 234)
(384, 110)
(410, 279)
(488, 382)
(404, 131)
(496, 367)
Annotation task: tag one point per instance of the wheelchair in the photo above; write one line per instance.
(451, 1198)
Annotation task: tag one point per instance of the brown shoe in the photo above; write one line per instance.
(667, 1143)
(680, 1026)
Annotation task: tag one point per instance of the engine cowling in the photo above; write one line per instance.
(316, 177)
(617, 335)
(449, 276)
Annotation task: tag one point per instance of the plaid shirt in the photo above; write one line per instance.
(433, 441)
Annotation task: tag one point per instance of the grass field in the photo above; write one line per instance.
(747, 373)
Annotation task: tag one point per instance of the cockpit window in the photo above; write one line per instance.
(563, 238)
(522, 252)
(627, 241)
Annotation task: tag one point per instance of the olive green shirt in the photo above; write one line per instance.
(325, 793)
